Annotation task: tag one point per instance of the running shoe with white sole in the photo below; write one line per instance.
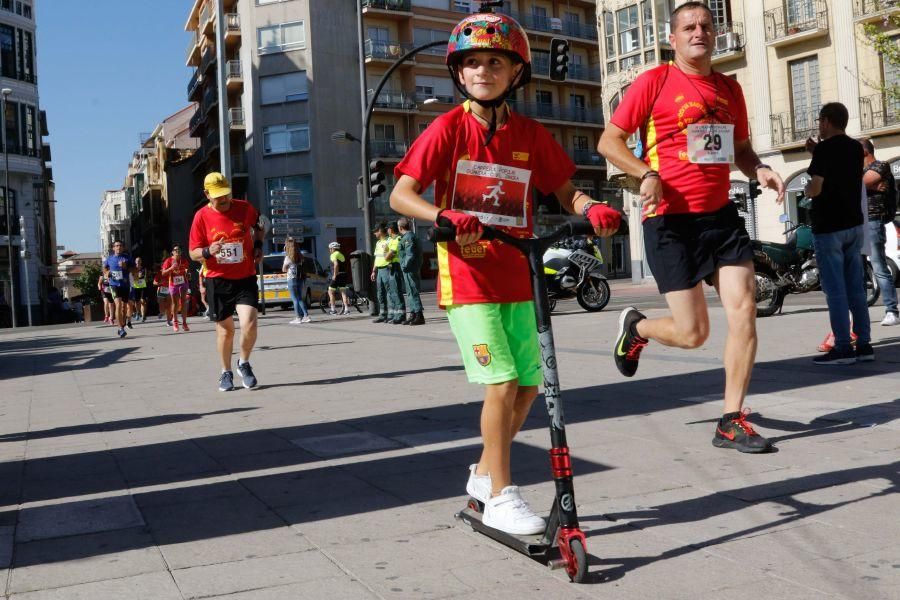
(226, 381)
(509, 512)
(629, 344)
(247, 376)
(305, 319)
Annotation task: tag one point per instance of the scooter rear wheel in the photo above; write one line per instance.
(577, 566)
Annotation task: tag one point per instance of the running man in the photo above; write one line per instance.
(694, 126)
(227, 234)
(119, 265)
(139, 287)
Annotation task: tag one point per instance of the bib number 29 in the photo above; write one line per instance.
(713, 142)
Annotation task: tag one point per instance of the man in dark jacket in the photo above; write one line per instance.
(411, 266)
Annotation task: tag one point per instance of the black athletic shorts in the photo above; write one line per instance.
(223, 295)
(121, 292)
(338, 281)
(139, 294)
(685, 249)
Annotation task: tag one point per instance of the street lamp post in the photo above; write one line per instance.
(4, 94)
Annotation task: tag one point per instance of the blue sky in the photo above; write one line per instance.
(107, 71)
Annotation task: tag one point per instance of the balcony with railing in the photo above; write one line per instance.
(729, 42)
(387, 7)
(540, 67)
(193, 50)
(869, 11)
(236, 118)
(232, 27)
(207, 17)
(194, 85)
(792, 128)
(387, 148)
(200, 157)
(234, 75)
(795, 21)
(585, 157)
(209, 59)
(423, 98)
(196, 121)
(576, 29)
(210, 99)
(211, 141)
(377, 50)
(394, 100)
(879, 111)
(556, 112)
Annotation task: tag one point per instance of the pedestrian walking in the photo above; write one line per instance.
(693, 126)
(385, 284)
(296, 280)
(837, 217)
(410, 267)
(396, 273)
(881, 191)
(485, 286)
(226, 233)
(119, 264)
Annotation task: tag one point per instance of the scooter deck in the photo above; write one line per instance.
(534, 546)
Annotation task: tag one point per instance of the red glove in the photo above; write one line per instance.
(603, 216)
(463, 223)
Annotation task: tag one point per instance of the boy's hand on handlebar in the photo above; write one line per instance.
(605, 219)
(468, 227)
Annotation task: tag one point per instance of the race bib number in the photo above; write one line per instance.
(117, 275)
(177, 279)
(232, 252)
(496, 194)
(140, 283)
(710, 143)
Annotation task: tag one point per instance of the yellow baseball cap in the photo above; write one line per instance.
(216, 185)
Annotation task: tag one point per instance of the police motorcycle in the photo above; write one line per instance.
(791, 268)
(573, 268)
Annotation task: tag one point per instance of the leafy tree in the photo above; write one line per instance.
(884, 44)
(87, 283)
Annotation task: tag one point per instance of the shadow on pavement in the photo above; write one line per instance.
(363, 377)
(27, 364)
(348, 484)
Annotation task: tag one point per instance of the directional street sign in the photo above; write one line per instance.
(284, 220)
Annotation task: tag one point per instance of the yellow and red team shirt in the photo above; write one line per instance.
(496, 185)
(663, 102)
(233, 229)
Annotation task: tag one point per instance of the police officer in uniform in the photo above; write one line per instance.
(410, 266)
(388, 298)
(396, 275)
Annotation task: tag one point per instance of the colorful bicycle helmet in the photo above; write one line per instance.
(490, 31)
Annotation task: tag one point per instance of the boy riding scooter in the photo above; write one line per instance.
(485, 286)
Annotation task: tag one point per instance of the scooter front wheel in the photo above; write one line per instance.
(577, 561)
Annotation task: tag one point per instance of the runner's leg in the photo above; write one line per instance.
(225, 341)
(736, 286)
(688, 325)
(247, 315)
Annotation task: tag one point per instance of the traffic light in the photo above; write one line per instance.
(376, 176)
(754, 189)
(559, 59)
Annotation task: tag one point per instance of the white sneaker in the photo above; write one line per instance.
(478, 486)
(510, 513)
(296, 321)
(305, 319)
(890, 318)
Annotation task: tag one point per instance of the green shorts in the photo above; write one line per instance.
(498, 342)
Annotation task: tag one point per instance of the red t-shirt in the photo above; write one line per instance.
(179, 271)
(234, 229)
(493, 183)
(663, 102)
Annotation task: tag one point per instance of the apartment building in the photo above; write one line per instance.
(115, 220)
(29, 192)
(421, 89)
(290, 79)
(790, 57)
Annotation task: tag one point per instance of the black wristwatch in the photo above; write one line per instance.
(761, 166)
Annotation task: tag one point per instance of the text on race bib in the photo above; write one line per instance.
(232, 252)
(710, 143)
(177, 279)
(496, 194)
(117, 275)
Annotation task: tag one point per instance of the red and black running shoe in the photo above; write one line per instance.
(629, 344)
(733, 431)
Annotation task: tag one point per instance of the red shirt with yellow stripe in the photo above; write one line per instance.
(234, 230)
(664, 102)
(494, 183)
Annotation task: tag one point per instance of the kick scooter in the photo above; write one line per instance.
(562, 530)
